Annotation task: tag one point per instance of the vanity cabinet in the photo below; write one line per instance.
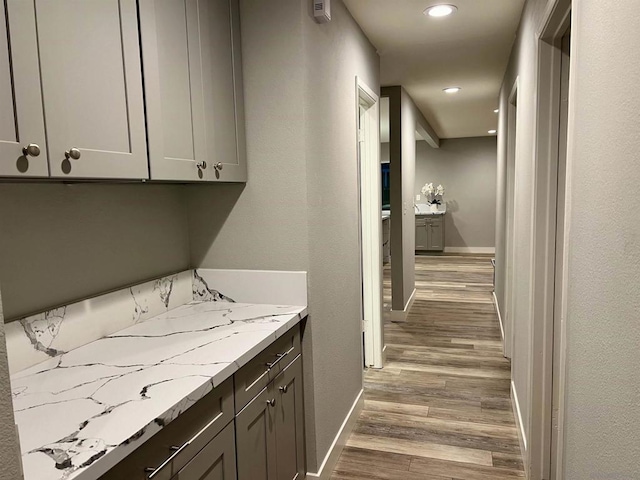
(430, 233)
(193, 86)
(23, 146)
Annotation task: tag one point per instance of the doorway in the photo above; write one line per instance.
(550, 281)
(370, 198)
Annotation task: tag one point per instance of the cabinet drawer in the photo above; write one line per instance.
(256, 375)
(162, 456)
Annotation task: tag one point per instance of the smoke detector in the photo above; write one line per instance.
(322, 11)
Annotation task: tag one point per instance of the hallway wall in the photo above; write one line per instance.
(466, 167)
(603, 379)
(602, 413)
(299, 209)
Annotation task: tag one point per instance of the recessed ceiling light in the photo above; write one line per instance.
(440, 10)
(496, 110)
(452, 90)
(493, 132)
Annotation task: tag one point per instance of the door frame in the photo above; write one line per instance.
(370, 200)
(548, 297)
(512, 162)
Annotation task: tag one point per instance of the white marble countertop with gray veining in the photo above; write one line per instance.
(82, 412)
(422, 209)
(386, 214)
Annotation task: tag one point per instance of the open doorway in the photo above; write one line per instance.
(550, 281)
(368, 118)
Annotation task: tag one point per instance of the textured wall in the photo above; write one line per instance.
(603, 380)
(299, 209)
(466, 167)
(9, 453)
(60, 243)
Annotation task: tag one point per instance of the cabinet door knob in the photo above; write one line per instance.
(271, 402)
(31, 150)
(202, 165)
(73, 153)
(284, 388)
(218, 166)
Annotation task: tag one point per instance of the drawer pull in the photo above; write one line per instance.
(280, 357)
(272, 402)
(284, 388)
(178, 450)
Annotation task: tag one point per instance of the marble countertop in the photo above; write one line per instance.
(386, 214)
(424, 209)
(82, 412)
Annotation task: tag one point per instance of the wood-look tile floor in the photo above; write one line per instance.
(440, 409)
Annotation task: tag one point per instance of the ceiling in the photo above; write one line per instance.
(469, 49)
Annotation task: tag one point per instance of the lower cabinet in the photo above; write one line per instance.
(269, 430)
(264, 440)
(430, 233)
(216, 461)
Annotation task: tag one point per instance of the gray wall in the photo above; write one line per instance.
(466, 167)
(299, 209)
(60, 243)
(404, 120)
(602, 414)
(603, 379)
(9, 453)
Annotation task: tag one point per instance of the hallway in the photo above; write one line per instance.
(440, 409)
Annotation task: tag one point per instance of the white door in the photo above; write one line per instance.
(23, 149)
(92, 88)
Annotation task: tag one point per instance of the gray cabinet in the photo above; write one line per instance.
(216, 461)
(193, 87)
(22, 117)
(430, 233)
(92, 88)
(386, 240)
(289, 420)
(256, 438)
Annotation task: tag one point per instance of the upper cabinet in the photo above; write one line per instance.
(77, 67)
(92, 88)
(23, 148)
(193, 86)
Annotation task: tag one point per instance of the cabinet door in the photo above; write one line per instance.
(421, 234)
(216, 461)
(193, 87)
(289, 422)
(92, 88)
(436, 235)
(256, 438)
(22, 117)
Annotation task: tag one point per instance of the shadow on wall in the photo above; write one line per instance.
(453, 236)
(211, 205)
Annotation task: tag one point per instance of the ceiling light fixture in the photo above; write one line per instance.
(493, 132)
(440, 10)
(496, 110)
(451, 89)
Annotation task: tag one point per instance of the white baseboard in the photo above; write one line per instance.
(401, 315)
(495, 302)
(477, 250)
(331, 459)
(522, 438)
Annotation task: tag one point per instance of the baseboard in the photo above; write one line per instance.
(401, 315)
(522, 439)
(478, 250)
(331, 459)
(495, 302)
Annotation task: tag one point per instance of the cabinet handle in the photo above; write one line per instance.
(272, 402)
(280, 357)
(218, 166)
(31, 150)
(284, 388)
(202, 165)
(73, 153)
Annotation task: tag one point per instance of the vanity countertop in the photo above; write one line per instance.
(386, 214)
(422, 209)
(82, 412)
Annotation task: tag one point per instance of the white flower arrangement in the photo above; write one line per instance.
(433, 196)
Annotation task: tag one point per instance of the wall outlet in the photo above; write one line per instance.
(417, 198)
